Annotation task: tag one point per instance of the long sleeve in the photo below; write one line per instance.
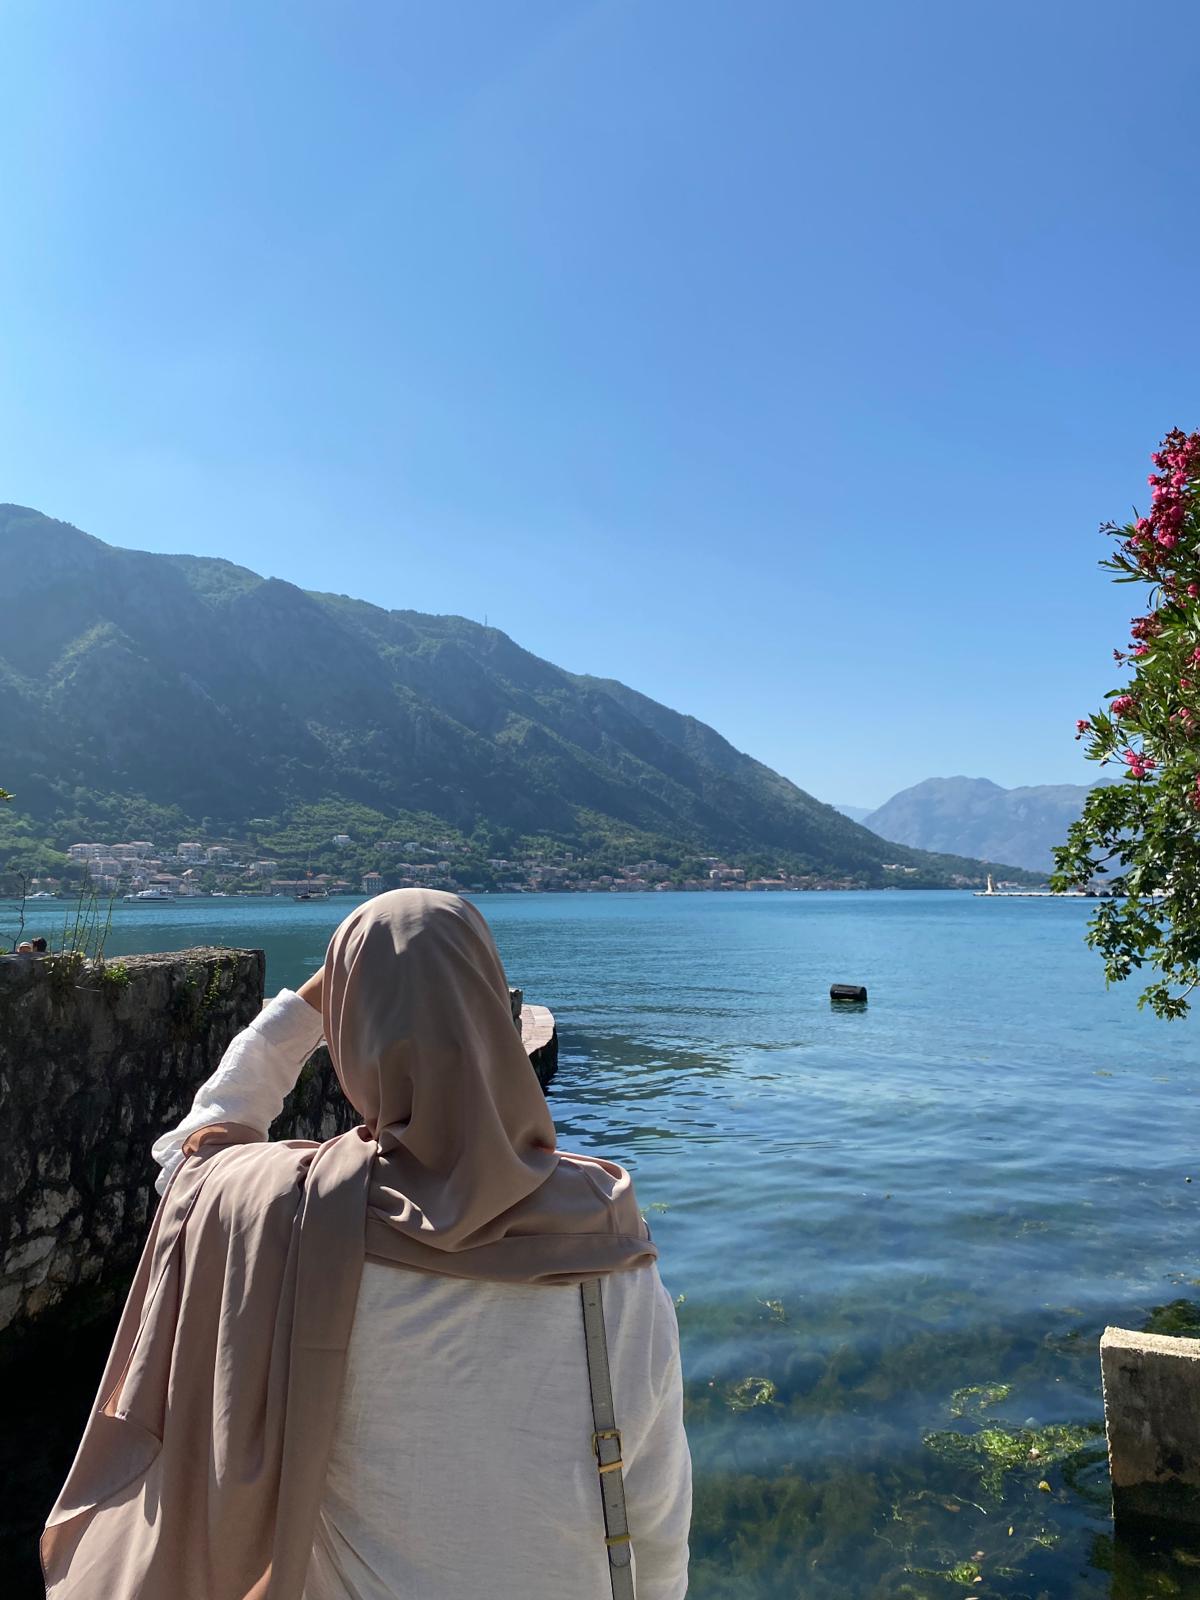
(255, 1075)
(658, 1479)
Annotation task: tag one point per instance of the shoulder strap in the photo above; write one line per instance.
(606, 1442)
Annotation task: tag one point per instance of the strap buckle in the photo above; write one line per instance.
(598, 1437)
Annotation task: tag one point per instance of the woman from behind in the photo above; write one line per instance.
(360, 1370)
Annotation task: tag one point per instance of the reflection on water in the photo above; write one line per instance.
(894, 1233)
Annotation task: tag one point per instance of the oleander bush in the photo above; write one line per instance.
(1141, 836)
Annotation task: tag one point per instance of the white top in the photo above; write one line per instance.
(462, 1465)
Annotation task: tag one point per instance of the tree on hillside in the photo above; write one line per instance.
(1143, 834)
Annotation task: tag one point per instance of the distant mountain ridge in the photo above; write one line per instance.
(976, 817)
(131, 680)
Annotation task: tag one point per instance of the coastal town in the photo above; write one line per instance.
(146, 871)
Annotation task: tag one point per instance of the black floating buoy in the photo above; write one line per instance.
(854, 992)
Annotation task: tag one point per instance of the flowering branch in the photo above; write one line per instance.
(1149, 823)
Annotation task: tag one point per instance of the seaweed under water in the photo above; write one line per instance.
(803, 1490)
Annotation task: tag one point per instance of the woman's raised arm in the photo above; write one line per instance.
(255, 1075)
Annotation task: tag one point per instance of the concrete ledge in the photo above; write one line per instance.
(540, 1038)
(1152, 1417)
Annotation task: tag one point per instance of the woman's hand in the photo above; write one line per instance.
(311, 989)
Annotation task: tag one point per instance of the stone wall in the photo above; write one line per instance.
(94, 1062)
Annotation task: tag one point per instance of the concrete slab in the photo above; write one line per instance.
(1152, 1417)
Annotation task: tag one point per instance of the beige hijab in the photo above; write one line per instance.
(201, 1470)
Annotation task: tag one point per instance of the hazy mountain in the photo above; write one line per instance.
(855, 813)
(132, 681)
(973, 816)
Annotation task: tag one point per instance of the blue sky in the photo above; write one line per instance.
(780, 360)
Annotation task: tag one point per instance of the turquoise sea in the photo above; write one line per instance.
(895, 1234)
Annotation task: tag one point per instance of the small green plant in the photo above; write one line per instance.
(113, 976)
(63, 972)
(191, 1003)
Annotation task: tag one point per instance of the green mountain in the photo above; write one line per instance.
(145, 691)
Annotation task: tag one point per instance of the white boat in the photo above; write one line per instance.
(42, 895)
(151, 897)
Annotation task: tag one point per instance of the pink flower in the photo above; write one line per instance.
(1194, 590)
(1139, 765)
(1082, 726)
(1122, 704)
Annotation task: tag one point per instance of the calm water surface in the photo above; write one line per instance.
(894, 1234)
